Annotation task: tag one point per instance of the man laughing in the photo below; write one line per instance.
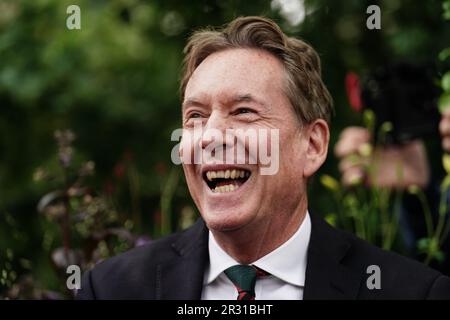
(256, 238)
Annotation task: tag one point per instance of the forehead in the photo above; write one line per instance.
(233, 71)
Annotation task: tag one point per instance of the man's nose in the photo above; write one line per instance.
(215, 130)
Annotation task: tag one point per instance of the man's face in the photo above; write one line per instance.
(243, 89)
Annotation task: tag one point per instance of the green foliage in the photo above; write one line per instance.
(115, 83)
(370, 212)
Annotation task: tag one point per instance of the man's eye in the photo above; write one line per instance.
(243, 110)
(195, 115)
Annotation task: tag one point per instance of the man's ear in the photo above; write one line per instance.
(317, 135)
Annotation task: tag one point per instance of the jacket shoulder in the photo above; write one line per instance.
(131, 274)
(400, 277)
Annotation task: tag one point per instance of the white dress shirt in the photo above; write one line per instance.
(286, 265)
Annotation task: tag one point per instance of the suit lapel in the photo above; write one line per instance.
(181, 278)
(326, 276)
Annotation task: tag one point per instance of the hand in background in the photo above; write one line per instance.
(348, 150)
(393, 166)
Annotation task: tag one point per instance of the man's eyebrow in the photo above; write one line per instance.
(246, 98)
(191, 102)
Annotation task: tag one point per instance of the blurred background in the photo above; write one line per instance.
(86, 117)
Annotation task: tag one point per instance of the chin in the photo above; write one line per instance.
(227, 220)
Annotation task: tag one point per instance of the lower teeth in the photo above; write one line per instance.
(226, 188)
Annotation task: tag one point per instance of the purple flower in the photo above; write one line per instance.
(142, 240)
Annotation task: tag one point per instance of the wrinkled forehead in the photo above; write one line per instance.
(235, 71)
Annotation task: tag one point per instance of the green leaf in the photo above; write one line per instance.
(422, 244)
(331, 219)
(446, 163)
(445, 82)
(330, 183)
(365, 150)
(445, 184)
(446, 7)
(369, 119)
(413, 189)
(444, 54)
(386, 127)
(440, 256)
(444, 101)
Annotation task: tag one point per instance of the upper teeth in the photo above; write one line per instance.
(227, 174)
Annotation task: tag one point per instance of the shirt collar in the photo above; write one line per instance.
(287, 262)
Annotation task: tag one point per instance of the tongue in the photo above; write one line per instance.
(225, 182)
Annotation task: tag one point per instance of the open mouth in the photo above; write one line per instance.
(222, 181)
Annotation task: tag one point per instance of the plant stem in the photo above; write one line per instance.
(442, 214)
(426, 212)
(395, 218)
(66, 216)
(166, 201)
(134, 187)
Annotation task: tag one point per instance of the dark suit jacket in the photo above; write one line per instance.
(173, 268)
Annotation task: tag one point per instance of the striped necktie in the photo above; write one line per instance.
(244, 278)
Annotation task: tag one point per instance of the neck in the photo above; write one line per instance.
(252, 242)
